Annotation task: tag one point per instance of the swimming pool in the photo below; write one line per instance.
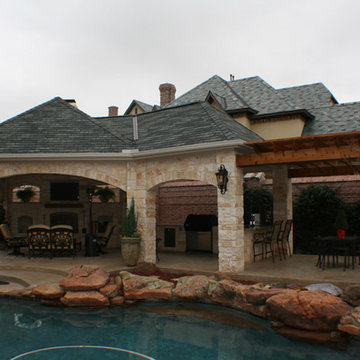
(148, 331)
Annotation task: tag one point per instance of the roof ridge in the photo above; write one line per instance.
(237, 95)
(277, 94)
(91, 119)
(214, 120)
(150, 112)
(246, 78)
(297, 86)
(219, 124)
(336, 105)
(29, 110)
(197, 86)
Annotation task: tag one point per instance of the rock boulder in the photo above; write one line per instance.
(48, 291)
(308, 310)
(137, 287)
(84, 278)
(350, 324)
(192, 287)
(84, 299)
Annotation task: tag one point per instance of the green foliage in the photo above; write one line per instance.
(314, 214)
(258, 201)
(105, 194)
(341, 221)
(25, 194)
(130, 222)
(353, 218)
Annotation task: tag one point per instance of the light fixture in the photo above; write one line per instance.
(222, 178)
(90, 190)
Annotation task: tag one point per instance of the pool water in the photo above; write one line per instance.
(147, 331)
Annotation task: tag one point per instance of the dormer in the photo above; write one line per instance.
(138, 107)
(216, 100)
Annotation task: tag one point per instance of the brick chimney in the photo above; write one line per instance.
(113, 111)
(167, 93)
(71, 102)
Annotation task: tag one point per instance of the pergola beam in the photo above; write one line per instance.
(332, 152)
(324, 171)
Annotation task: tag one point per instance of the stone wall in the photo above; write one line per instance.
(141, 180)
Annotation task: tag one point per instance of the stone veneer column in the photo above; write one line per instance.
(231, 223)
(145, 207)
(282, 194)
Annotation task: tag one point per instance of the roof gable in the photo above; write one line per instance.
(143, 106)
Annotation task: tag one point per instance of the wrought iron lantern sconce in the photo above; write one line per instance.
(222, 178)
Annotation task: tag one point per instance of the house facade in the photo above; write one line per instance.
(244, 124)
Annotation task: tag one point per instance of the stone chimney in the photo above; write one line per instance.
(167, 93)
(113, 111)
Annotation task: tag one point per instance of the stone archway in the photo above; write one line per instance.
(103, 171)
(194, 167)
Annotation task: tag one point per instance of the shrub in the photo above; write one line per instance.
(314, 214)
(130, 222)
(258, 201)
(341, 221)
(353, 218)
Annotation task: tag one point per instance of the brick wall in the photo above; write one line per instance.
(177, 200)
(348, 187)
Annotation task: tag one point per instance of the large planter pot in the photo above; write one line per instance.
(130, 250)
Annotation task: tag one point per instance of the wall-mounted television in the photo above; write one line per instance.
(64, 191)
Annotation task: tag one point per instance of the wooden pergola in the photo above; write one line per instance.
(306, 156)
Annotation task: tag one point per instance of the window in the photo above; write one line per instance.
(18, 192)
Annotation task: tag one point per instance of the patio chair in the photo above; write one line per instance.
(266, 241)
(102, 241)
(39, 240)
(13, 242)
(62, 240)
(283, 240)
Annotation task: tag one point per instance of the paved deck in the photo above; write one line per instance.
(297, 269)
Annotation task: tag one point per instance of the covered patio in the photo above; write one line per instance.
(300, 157)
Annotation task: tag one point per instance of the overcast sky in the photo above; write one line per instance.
(108, 52)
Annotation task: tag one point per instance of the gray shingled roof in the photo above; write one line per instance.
(190, 124)
(333, 119)
(308, 96)
(58, 127)
(217, 86)
(253, 93)
(260, 95)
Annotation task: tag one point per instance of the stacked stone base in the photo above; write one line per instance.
(315, 311)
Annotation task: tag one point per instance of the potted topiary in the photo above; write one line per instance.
(341, 224)
(26, 194)
(130, 238)
(105, 194)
